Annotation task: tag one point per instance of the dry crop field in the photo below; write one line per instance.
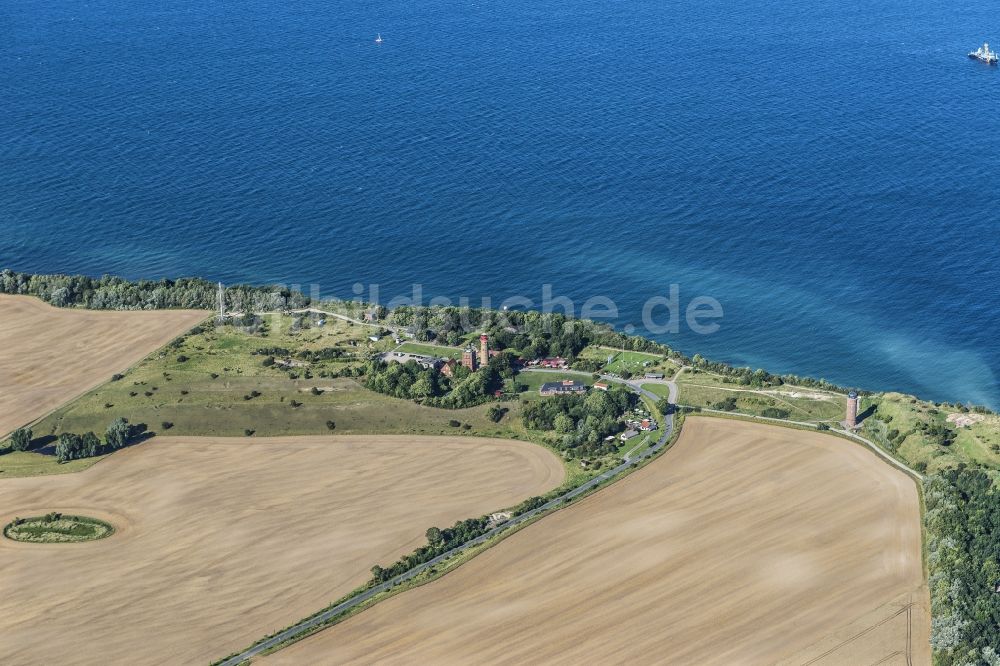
(49, 355)
(744, 544)
(221, 540)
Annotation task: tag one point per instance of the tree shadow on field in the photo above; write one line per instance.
(46, 444)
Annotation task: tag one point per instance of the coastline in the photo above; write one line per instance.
(285, 299)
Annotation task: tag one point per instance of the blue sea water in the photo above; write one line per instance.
(826, 170)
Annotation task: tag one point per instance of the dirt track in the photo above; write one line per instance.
(745, 544)
(220, 541)
(49, 355)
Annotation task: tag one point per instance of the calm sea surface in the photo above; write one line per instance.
(829, 171)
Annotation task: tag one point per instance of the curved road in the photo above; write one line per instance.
(353, 602)
(330, 613)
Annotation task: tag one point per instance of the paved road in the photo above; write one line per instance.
(881, 452)
(634, 384)
(331, 613)
(551, 505)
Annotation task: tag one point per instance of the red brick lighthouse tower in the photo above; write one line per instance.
(852, 410)
(484, 349)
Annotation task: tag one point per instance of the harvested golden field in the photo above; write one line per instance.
(220, 541)
(745, 544)
(49, 355)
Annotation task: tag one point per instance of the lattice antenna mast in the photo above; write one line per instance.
(222, 304)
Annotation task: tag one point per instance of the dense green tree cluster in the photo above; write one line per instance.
(530, 333)
(71, 446)
(464, 389)
(962, 525)
(114, 293)
(438, 541)
(588, 364)
(470, 389)
(404, 380)
(582, 421)
(727, 404)
(312, 355)
(20, 439)
(938, 432)
(619, 340)
(118, 433)
(442, 540)
(535, 334)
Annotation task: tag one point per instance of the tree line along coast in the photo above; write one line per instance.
(956, 447)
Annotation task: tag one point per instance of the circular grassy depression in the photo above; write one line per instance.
(57, 528)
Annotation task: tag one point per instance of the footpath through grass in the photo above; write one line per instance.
(634, 362)
(704, 389)
(271, 380)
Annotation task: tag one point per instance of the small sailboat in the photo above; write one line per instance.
(378, 38)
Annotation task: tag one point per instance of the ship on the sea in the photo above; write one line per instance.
(983, 54)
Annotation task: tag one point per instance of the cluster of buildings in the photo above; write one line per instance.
(422, 360)
(471, 358)
(556, 363)
(474, 360)
(637, 425)
(564, 387)
(642, 425)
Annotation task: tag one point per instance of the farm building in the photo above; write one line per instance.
(404, 357)
(629, 434)
(565, 387)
